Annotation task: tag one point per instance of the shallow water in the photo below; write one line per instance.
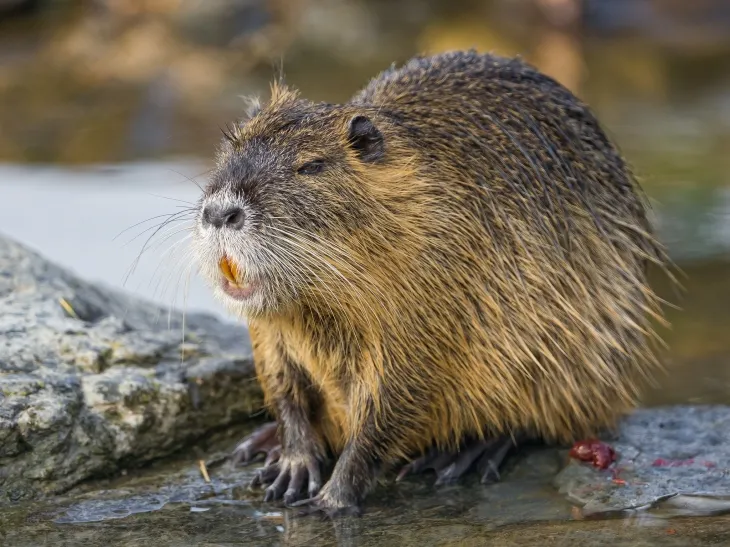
(100, 120)
(452, 522)
(171, 504)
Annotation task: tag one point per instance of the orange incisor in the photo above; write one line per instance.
(229, 269)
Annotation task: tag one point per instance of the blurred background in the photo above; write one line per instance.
(110, 112)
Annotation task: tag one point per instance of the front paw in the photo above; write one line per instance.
(287, 477)
(333, 501)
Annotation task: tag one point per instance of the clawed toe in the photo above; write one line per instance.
(317, 506)
(487, 455)
(265, 475)
(491, 461)
(264, 441)
(433, 459)
(287, 478)
(278, 487)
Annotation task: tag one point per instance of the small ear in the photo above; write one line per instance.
(366, 139)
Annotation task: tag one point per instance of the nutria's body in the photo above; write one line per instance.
(459, 250)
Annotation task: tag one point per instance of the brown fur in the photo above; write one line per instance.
(484, 275)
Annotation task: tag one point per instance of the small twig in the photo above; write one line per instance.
(204, 470)
(67, 307)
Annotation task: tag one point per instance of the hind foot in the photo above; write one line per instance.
(486, 456)
(263, 440)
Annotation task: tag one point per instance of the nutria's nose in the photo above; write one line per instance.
(219, 216)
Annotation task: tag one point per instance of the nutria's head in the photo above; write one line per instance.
(289, 188)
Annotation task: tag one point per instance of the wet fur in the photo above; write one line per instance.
(482, 272)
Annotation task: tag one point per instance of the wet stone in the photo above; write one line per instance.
(92, 380)
(674, 459)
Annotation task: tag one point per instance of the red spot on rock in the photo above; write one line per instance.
(661, 462)
(594, 451)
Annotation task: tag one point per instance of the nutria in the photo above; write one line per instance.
(451, 260)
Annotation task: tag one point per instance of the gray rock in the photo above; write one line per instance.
(92, 380)
(672, 460)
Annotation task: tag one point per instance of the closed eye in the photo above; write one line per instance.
(311, 167)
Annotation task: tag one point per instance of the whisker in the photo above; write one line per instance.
(184, 315)
(142, 222)
(175, 217)
(192, 180)
(145, 247)
(167, 256)
(164, 283)
(172, 199)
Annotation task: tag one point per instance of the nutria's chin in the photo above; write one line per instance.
(457, 251)
(238, 292)
(247, 302)
(256, 292)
